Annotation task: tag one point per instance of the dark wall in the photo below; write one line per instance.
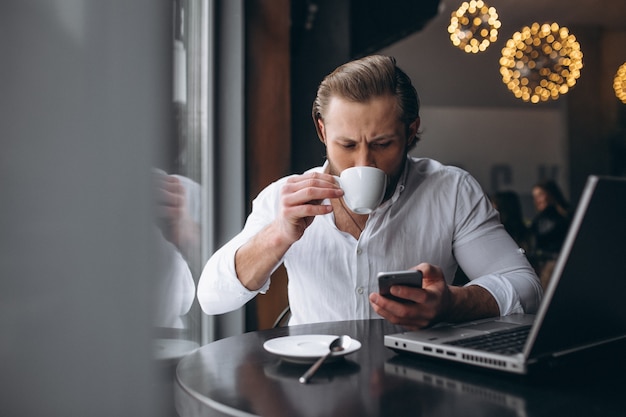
(376, 24)
(596, 122)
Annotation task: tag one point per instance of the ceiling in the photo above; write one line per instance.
(610, 14)
(429, 55)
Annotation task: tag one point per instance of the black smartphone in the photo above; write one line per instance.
(408, 278)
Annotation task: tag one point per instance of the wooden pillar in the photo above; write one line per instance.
(268, 124)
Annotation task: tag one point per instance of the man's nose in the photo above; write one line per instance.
(365, 158)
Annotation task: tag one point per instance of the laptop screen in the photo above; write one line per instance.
(588, 307)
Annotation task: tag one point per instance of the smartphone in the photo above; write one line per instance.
(408, 278)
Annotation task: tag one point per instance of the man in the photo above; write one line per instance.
(433, 218)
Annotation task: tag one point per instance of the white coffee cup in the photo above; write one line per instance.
(363, 187)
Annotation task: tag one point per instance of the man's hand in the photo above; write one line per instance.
(428, 304)
(301, 200)
(435, 302)
(172, 212)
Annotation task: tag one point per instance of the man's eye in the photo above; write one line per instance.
(348, 145)
(382, 144)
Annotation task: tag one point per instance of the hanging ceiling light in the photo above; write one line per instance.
(474, 26)
(541, 62)
(619, 83)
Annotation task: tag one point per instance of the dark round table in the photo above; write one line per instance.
(235, 376)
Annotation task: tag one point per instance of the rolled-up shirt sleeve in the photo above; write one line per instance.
(491, 258)
(219, 288)
(514, 286)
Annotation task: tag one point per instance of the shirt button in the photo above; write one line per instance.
(359, 290)
(359, 251)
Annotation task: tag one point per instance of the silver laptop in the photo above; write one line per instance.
(583, 305)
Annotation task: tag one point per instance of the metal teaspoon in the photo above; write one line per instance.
(337, 345)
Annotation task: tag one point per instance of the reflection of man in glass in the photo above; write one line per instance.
(433, 218)
(178, 213)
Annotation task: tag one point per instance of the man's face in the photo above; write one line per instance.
(365, 134)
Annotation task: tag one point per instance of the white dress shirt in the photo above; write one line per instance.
(438, 214)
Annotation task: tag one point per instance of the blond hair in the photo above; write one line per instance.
(364, 79)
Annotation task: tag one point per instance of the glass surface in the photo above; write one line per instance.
(178, 193)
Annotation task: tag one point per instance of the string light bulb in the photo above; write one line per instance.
(541, 62)
(619, 83)
(474, 26)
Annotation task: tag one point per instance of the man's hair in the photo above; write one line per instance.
(367, 78)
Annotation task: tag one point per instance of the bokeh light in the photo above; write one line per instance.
(619, 83)
(541, 62)
(474, 26)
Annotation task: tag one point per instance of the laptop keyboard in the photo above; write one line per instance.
(506, 342)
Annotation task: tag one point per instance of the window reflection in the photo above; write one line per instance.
(178, 207)
(178, 224)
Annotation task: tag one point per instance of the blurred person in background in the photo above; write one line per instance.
(549, 226)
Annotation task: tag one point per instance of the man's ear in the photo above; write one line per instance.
(413, 129)
(321, 130)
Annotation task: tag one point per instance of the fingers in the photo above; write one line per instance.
(170, 198)
(302, 195)
(309, 189)
(315, 177)
(409, 315)
(430, 272)
(171, 191)
(427, 302)
(413, 294)
(301, 200)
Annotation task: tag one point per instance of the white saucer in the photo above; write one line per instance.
(306, 348)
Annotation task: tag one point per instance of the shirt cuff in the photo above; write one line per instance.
(502, 291)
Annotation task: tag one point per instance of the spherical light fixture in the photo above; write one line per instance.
(474, 26)
(619, 83)
(541, 62)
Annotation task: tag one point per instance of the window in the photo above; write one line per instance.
(204, 160)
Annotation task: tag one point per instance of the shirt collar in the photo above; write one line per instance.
(401, 185)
